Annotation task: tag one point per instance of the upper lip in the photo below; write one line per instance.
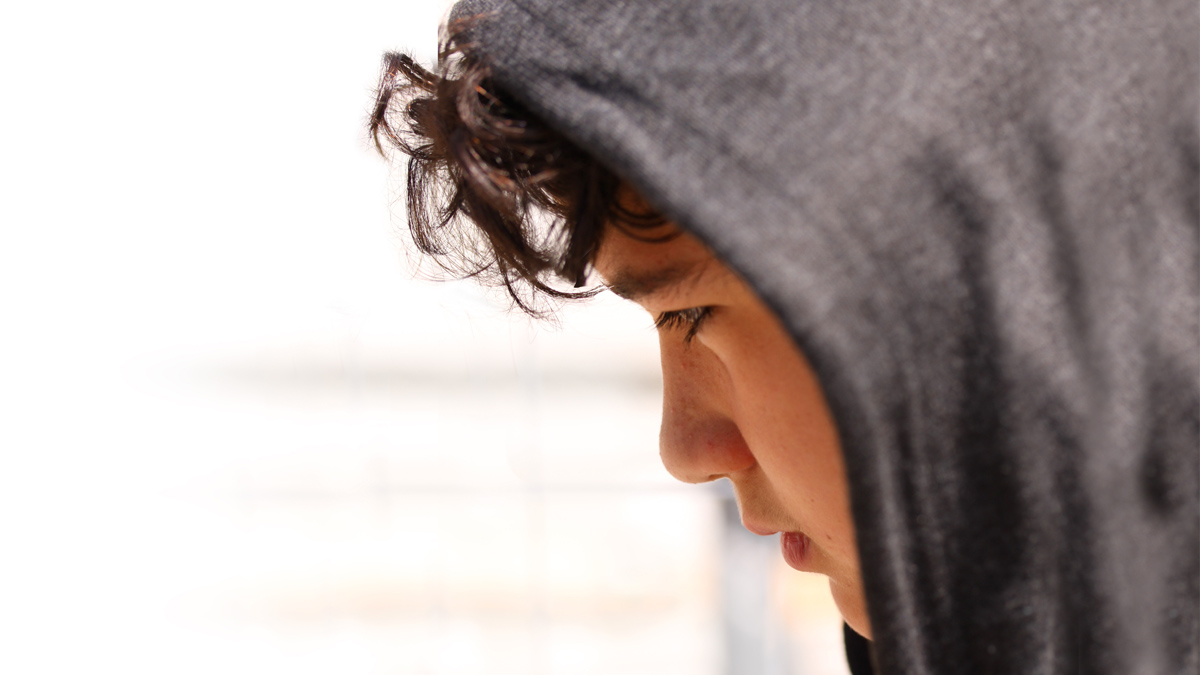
(756, 528)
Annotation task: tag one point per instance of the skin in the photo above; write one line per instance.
(741, 402)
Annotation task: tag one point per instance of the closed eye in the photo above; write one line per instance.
(689, 319)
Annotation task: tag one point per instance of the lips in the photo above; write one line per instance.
(795, 547)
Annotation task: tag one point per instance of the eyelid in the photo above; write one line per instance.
(690, 318)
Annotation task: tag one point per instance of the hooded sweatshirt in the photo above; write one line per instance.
(979, 221)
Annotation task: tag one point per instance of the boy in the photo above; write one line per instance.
(925, 278)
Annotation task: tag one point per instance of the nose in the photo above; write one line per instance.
(700, 440)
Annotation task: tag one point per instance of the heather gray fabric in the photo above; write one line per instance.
(980, 221)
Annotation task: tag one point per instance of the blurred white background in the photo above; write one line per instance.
(238, 436)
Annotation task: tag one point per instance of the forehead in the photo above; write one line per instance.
(637, 269)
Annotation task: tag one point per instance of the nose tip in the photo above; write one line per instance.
(703, 450)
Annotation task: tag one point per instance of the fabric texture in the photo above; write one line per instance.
(980, 222)
(858, 652)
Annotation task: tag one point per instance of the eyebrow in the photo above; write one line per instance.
(637, 285)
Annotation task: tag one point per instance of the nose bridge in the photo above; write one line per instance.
(700, 439)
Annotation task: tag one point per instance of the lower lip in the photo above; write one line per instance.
(795, 550)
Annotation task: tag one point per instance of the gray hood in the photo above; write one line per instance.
(980, 222)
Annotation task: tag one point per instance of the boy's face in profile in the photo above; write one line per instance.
(741, 402)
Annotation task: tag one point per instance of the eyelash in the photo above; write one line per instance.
(684, 318)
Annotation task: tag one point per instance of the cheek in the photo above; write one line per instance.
(781, 411)
(779, 404)
(809, 482)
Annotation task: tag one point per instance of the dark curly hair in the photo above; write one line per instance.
(493, 192)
